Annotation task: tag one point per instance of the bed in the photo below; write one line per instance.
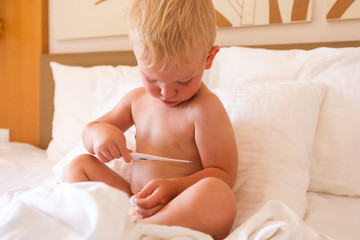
(295, 110)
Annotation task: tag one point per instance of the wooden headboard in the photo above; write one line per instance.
(114, 58)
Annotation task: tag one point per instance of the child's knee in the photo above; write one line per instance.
(221, 203)
(78, 164)
(221, 194)
(216, 186)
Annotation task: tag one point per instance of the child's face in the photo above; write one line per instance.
(177, 85)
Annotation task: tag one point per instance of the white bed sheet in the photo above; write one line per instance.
(22, 165)
(337, 216)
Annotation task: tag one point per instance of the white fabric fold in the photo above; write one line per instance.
(275, 221)
(78, 211)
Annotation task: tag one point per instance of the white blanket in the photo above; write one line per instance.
(275, 221)
(97, 211)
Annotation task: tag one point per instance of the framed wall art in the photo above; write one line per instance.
(89, 18)
(343, 9)
(237, 13)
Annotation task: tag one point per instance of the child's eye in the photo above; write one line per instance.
(185, 83)
(151, 81)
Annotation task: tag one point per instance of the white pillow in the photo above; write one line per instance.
(110, 85)
(74, 101)
(336, 161)
(109, 92)
(234, 66)
(74, 87)
(274, 125)
(335, 166)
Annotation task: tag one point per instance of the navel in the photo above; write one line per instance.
(176, 144)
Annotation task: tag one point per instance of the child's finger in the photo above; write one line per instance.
(127, 156)
(101, 157)
(145, 213)
(115, 152)
(125, 153)
(107, 155)
(151, 201)
(149, 188)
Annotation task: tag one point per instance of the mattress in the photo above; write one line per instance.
(22, 166)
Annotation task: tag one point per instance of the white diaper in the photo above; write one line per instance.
(135, 216)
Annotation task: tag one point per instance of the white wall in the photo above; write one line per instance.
(319, 30)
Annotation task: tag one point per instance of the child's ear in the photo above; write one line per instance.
(210, 58)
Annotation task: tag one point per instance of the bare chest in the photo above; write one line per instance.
(165, 132)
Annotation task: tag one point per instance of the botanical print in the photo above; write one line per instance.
(104, 18)
(100, 1)
(343, 9)
(236, 13)
(89, 18)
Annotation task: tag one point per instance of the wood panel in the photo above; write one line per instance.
(22, 41)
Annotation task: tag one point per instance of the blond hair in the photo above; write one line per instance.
(167, 31)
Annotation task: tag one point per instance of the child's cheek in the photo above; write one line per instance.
(152, 89)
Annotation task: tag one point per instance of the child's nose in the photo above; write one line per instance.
(168, 91)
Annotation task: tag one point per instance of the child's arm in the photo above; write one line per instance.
(215, 140)
(105, 138)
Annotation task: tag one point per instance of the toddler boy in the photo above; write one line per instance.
(175, 116)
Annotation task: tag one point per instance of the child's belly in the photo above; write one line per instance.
(144, 171)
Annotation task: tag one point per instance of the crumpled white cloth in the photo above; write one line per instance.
(78, 211)
(276, 221)
(93, 210)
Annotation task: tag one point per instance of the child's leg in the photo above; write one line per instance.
(208, 206)
(88, 168)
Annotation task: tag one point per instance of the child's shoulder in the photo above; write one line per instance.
(208, 102)
(209, 112)
(132, 96)
(206, 97)
(135, 93)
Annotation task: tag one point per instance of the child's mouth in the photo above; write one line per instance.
(168, 102)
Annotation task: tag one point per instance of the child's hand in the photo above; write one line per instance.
(109, 143)
(154, 196)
